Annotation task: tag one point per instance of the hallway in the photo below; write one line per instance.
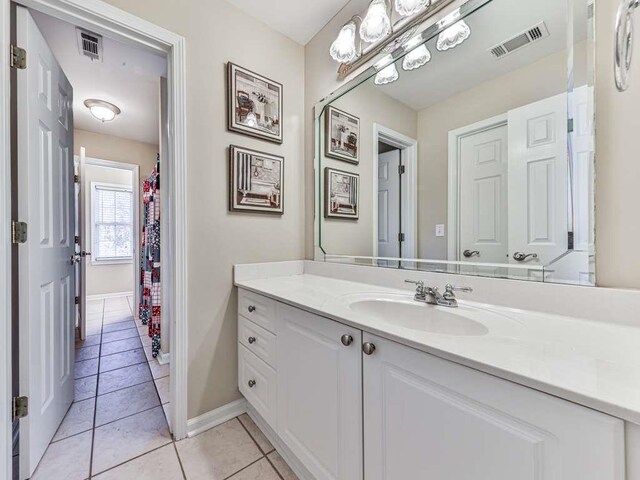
(117, 428)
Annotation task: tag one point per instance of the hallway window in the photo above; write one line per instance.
(112, 223)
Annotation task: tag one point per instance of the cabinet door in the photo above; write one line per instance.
(320, 393)
(427, 418)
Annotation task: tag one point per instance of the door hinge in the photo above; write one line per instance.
(18, 58)
(401, 237)
(18, 232)
(570, 125)
(76, 240)
(401, 169)
(76, 179)
(77, 300)
(20, 407)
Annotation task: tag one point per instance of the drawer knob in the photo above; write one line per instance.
(368, 348)
(252, 339)
(346, 340)
(251, 309)
(251, 383)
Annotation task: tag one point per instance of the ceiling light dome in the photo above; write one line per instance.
(387, 75)
(376, 24)
(343, 49)
(409, 7)
(103, 111)
(416, 58)
(453, 36)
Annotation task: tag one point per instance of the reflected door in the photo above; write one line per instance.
(389, 204)
(46, 271)
(538, 179)
(483, 196)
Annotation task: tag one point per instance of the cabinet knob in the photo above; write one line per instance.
(252, 339)
(368, 348)
(251, 383)
(346, 340)
(251, 309)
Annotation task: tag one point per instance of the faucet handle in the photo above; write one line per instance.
(419, 283)
(448, 288)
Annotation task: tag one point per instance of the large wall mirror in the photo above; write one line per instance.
(469, 149)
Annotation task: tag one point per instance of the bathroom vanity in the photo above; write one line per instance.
(355, 380)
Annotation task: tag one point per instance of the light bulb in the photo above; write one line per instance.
(376, 23)
(453, 36)
(416, 58)
(386, 75)
(343, 49)
(409, 7)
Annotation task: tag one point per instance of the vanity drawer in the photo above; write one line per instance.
(257, 340)
(258, 309)
(257, 382)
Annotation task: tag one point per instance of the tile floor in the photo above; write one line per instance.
(116, 429)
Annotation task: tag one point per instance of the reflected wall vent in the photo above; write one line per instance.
(533, 34)
(89, 44)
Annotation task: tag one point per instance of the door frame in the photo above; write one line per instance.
(453, 194)
(123, 26)
(409, 182)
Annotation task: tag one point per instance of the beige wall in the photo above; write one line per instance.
(370, 105)
(216, 33)
(102, 278)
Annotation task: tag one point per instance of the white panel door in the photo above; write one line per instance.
(427, 418)
(538, 179)
(320, 393)
(388, 204)
(483, 196)
(46, 274)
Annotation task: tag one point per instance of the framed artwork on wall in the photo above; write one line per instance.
(254, 104)
(256, 181)
(341, 190)
(342, 135)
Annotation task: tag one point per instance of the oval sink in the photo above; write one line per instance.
(420, 316)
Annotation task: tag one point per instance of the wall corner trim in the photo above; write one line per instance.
(216, 417)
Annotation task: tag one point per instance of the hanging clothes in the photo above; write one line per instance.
(150, 291)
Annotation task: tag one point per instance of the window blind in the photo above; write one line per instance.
(113, 223)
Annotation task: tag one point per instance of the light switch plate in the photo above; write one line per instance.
(440, 230)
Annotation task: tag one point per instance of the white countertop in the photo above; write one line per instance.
(591, 363)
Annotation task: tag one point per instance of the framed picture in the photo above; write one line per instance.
(254, 104)
(342, 135)
(341, 190)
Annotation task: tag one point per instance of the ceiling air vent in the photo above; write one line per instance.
(89, 44)
(535, 33)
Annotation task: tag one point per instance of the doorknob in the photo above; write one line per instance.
(521, 256)
(84, 254)
(469, 253)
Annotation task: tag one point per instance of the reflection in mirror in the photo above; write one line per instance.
(473, 153)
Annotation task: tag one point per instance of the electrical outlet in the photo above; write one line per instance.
(440, 230)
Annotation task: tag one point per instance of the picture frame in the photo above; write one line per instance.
(254, 104)
(256, 181)
(341, 194)
(342, 135)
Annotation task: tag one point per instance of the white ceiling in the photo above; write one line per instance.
(298, 20)
(471, 63)
(128, 77)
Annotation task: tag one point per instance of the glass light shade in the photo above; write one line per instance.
(453, 36)
(416, 58)
(103, 111)
(386, 75)
(251, 120)
(376, 23)
(409, 7)
(343, 49)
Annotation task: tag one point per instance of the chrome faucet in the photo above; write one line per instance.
(432, 296)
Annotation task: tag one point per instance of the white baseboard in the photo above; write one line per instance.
(163, 358)
(102, 296)
(216, 417)
(296, 465)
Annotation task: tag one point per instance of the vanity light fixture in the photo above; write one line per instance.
(377, 22)
(416, 58)
(103, 111)
(453, 36)
(387, 75)
(409, 7)
(251, 120)
(347, 46)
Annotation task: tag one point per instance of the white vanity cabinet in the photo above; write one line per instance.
(425, 417)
